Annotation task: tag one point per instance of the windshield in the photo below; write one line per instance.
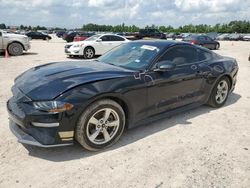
(93, 38)
(135, 56)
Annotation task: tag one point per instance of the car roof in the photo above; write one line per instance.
(109, 34)
(105, 34)
(162, 43)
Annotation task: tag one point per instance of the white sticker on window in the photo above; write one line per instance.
(151, 48)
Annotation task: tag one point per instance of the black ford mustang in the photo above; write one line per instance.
(93, 101)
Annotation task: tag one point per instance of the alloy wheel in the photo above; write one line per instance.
(222, 91)
(89, 53)
(102, 126)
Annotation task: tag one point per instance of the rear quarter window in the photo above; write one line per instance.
(204, 55)
(116, 38)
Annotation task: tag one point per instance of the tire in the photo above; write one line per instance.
(47, 38)
(89, 53)
(217, 46)
(219, 93)
(15, 49)
(95, 131)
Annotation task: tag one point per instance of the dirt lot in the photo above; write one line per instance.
(203, 147)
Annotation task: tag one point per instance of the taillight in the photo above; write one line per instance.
(193, 41)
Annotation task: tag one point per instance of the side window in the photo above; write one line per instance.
(116, 38)
(203, 55)
(208, 39)
(181, 55)
(105, 38)
(119, 38)
(202, 38)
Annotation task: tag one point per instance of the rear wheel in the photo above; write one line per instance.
(220, 93)
(100, 125)
(89, 53)
(15, 49)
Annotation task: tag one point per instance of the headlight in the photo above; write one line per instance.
(78, 45)
(53, 106)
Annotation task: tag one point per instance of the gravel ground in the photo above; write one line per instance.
(203, 147)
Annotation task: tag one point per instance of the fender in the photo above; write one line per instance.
(14, 41)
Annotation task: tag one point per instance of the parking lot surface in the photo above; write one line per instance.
(204, 147)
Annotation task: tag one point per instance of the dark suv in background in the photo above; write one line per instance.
(151, 33)
(69, 36)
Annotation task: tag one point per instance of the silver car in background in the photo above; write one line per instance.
(15, 44)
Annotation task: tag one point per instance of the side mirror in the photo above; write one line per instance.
(98, 40)
(164, 66)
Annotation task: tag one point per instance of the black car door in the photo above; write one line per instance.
(31, 35)
(178, 87)
(203, 42)
(37, 35)
(210, 43)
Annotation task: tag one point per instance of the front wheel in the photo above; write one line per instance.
(89, 53)
(219, 93)
(100, 125)
(15, 49)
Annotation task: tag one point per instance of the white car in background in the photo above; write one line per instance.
(246, 37)
(95, 45)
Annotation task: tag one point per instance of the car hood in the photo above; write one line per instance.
(48, 81)
(14, 35)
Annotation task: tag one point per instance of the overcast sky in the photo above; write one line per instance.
(75, 13)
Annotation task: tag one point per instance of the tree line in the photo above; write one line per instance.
(231, 27)
(29, 28)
